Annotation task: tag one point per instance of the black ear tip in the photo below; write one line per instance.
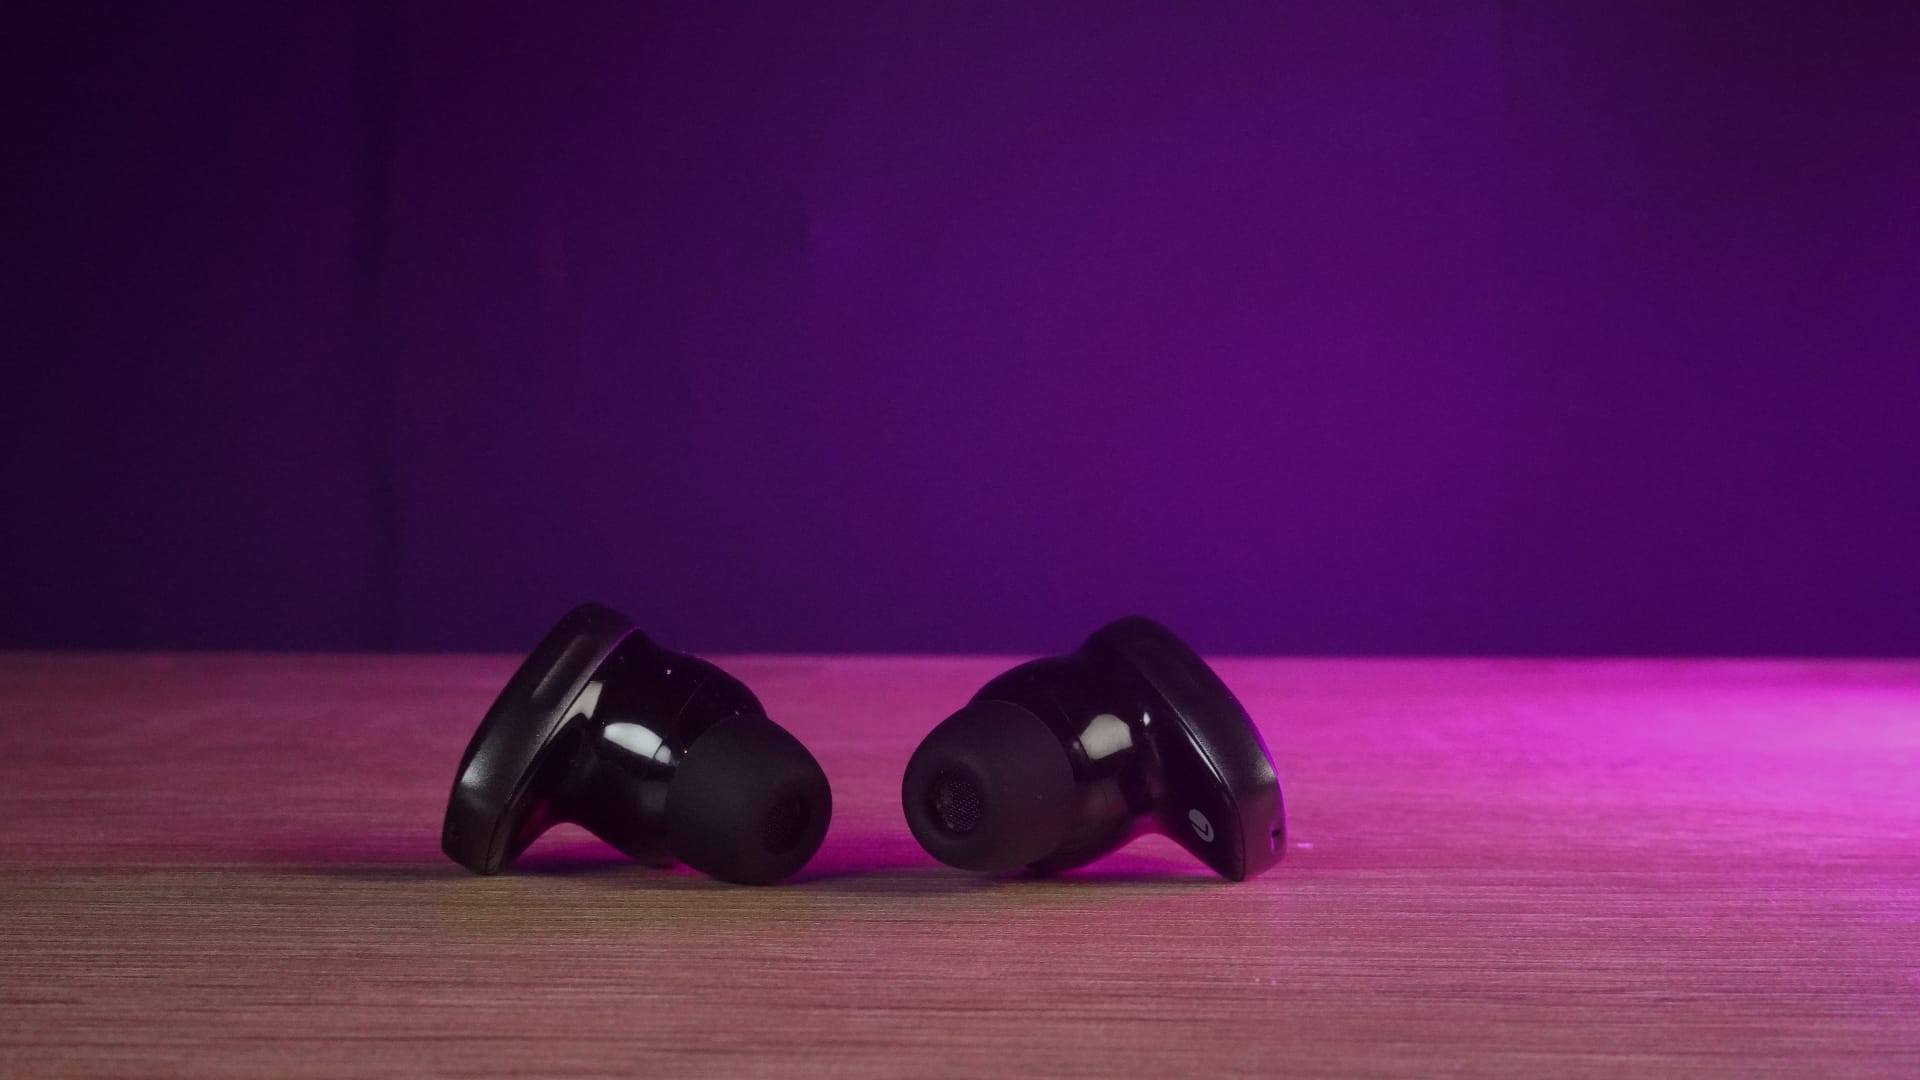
(749, 804)
(989, 789)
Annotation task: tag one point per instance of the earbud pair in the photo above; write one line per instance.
(1051, 765)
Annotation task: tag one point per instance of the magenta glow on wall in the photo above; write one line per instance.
(1426, 327)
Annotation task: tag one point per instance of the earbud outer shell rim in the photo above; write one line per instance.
(488, 806)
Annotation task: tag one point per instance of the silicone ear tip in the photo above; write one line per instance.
(989, 789)
(749, 804)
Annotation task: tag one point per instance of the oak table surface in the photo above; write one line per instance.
(221, 865)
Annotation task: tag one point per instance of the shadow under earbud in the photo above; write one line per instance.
(893, 864)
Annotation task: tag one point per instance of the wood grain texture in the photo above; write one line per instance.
(228, 865)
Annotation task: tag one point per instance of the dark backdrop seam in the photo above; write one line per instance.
(374, 85)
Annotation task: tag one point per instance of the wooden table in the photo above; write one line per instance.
(228, 865)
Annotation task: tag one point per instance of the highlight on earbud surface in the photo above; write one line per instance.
(1061, 760)
(661, 754)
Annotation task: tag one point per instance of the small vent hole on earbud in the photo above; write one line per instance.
(786, 823)
(953, 800)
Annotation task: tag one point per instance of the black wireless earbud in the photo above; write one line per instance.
(660, 754)
(1061, 760)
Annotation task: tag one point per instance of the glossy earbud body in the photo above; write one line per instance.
(662, 755)
(1061, 760)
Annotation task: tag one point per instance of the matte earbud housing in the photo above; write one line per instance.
(662, 755)
(1061, 760)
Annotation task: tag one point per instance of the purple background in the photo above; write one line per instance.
(1424, 327)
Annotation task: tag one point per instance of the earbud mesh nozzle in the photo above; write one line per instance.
(953, 800)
